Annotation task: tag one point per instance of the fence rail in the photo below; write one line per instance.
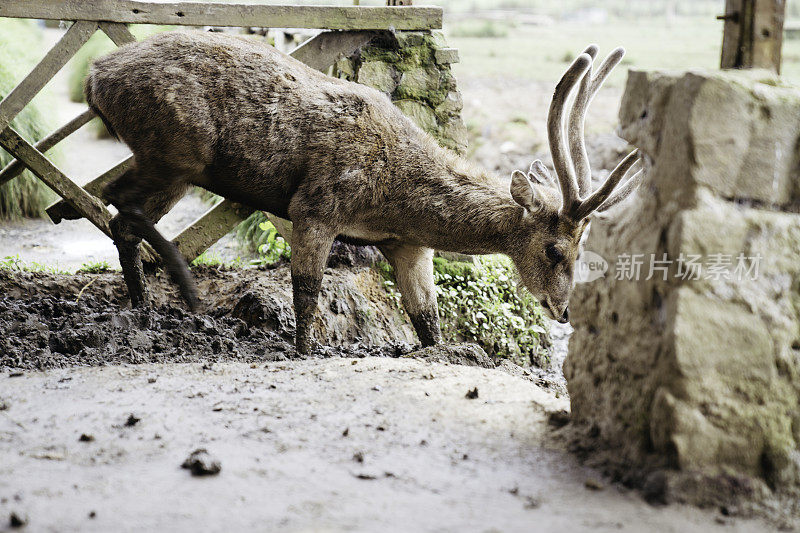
(210, 14)
(111, 17)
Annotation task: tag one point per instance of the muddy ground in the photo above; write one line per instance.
(375, 444)
(100, 405)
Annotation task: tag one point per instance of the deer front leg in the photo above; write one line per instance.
(413, 269)
(311, 245)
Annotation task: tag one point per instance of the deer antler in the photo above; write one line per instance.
(555, 130)
(575, 176)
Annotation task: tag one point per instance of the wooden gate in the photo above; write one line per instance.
(348, 29)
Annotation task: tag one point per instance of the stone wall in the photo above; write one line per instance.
(690, 380)
(413, 69)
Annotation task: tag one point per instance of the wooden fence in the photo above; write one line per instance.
(350, 27)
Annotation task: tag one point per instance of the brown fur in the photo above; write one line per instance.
(256, 126)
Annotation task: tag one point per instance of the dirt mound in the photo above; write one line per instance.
(53, 321)
(85, 319)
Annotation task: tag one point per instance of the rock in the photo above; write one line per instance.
(406, 39)
(693, 377)
(418, 83)
(345, 69)
(201, 463)
(593, 484)
(452, 105)
(456, 132)
(132, 420)
(17, 520)
(472, 394)
(421, 114)
(558, 419)
(378, 75)
(446, 56)
(345, 255)
(459, 354)
(740, 128)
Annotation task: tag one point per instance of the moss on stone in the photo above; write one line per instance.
(406, 68)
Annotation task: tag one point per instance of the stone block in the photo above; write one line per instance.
(419, 83)
(736, 134)
(446, 56)
(378, 75)
(421, 114)
(699, 375)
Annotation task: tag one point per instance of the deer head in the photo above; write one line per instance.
(556, 214)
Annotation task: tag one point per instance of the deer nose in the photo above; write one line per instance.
(565, 317)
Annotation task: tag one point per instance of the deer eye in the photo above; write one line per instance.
(553, 253)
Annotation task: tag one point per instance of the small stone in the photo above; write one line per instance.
(558, 418)
(453, 103)
(202, 463)
(358, 457)
(132, 420)
(4, 405)
(593, 484)
(16, 520)
(446, 56)
(409, 38)
(92, 514)
(345, 69)
(472, 394)
(86, 438)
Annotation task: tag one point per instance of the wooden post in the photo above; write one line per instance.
(753, 34)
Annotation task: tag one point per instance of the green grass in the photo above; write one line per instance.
(14, 263)
(95, 267)
(211, 259)
(21, 47)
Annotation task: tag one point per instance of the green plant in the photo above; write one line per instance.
(21, 45)
(249, 234)
(97, 267)
(14, 263)
(212, 259)
(481, 303)
(274, 247)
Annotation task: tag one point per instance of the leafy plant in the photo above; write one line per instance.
(483, 304)
(256, 233)
(274, 247)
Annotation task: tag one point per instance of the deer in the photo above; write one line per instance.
(339, 160)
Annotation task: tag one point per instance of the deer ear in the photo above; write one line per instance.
(523, 193)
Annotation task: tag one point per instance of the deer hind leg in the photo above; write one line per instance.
(311, 244)
(413, 269)
(141, 201)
